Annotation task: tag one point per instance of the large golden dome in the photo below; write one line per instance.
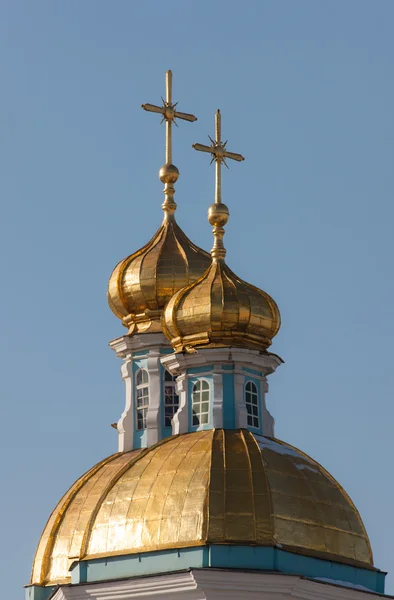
(207, 487)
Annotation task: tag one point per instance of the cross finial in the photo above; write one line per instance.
(169, 173)
(219, 154)
(218, 213)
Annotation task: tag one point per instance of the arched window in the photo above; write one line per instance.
(142, 387)
(200, 403)
(171, 398)
(252, 404)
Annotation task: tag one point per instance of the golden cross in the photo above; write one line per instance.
(169, 115)
(219, 155)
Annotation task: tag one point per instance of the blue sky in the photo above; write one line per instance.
(306, 93)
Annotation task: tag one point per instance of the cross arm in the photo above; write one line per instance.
(153, 108)
(203, 148)
(185, 116)
(234, 156)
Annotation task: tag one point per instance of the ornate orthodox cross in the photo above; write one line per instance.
(219, 155)
(169, 115)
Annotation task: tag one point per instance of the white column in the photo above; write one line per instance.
(217, 398)
(180, 422)
(241, 415)
(153, 417)
(126, 421)
(129, 348)
(267, 418)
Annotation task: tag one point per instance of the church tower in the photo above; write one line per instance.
(201, 501)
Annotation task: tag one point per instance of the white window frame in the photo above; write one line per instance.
(198, 400)
(171, 398)
(252, 404)
(141, 410)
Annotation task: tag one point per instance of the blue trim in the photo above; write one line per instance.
(256, 558)
(242, 557)
(252, 371)
(38, 592)
(228, 367)
(140, 363)
(196, 370)
(140, 438)
(274, 559)
(148, 563)
(167, 432)
(167, 350)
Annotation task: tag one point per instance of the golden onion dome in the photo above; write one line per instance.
(141, 284)
(220, 309)
(201, 488)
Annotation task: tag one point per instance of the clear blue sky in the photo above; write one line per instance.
(306, 93)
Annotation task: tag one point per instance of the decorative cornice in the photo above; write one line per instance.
(127, 345)
(265, 362)
(214, 584)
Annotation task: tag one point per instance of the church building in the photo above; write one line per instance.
(200, 501)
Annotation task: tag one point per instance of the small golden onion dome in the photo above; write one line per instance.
(220, 309)
(142, 283)
(201, 488)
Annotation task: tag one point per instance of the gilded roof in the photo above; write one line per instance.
(207, 487)
(142, 283)
(221, 310)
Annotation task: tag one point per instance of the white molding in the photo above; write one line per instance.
(214, 584)
(216, 397)
(153, 417)
(181, 585)
(126, 422)
(128, 345)
(241, 414)
(266, 363)
(180, 421)
(267, 419)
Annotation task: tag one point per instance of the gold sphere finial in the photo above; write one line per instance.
(168, 173)
(218, 214)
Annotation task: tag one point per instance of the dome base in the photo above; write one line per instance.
(223, 563)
